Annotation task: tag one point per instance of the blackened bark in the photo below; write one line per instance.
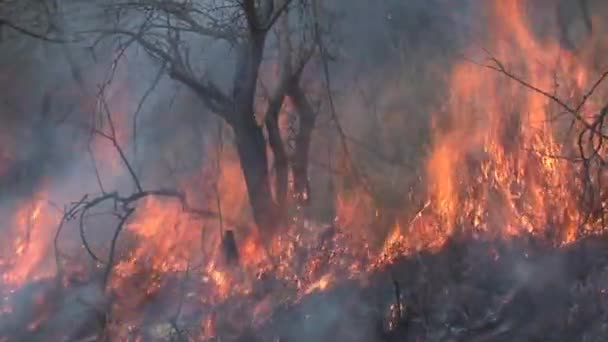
(251, 148)
(306, 117)
(250, 142)
(281, 164)
(246, 77)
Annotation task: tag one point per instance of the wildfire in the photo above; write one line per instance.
(495, 166)
(32, 231)
(321, 284)
(493, 171)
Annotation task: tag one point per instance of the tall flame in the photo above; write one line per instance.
(27, 258)
(495, 169)
(495, 164)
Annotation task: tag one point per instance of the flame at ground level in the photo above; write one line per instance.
(494, 171)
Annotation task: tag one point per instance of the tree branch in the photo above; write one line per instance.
(209, 93)
(110, 263)
(124, 203)
(35, 35)
(273, 18)
(575, 112)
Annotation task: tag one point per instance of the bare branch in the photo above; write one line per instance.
(114, 140)
(124, 204)
(140, 105)
(332, 108)
(35, 35)
(119, 227)
(210, 94)
(591, 90)
(282, 9)
(498, 66)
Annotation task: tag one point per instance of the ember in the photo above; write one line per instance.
(191, 171)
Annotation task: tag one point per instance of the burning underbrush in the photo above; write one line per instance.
(170, 280)
(471, 290)
(502, 239)
(324, 287)
(160, 285)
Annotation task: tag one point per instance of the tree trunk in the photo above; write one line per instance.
(306, 117)
(250, 141)
(251, 148)
(281, 164)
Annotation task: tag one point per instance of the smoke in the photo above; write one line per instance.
(392, 61)
(170, 108)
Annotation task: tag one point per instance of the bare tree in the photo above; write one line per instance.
(171, 31)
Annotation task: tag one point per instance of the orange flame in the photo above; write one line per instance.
(492, 171)
(28, 257)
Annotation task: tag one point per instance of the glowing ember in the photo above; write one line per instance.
(321, 284)
(493, 171)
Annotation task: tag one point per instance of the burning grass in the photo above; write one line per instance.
(506, 244)
(470, 290)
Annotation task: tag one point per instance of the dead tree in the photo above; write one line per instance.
(169, 30)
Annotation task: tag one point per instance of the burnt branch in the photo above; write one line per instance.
(208, 92)
(590, 143)
(574, 111)
(123, 208)
(325, 57)
(114, 140)
(119, 227)
(140, 105)
(36, 35)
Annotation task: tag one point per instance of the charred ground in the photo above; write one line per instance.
(188, 171)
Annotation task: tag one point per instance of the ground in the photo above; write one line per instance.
(518, 290)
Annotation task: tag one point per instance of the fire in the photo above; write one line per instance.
(493, 171)
(495, 166)
(321, 284)
(32, 229)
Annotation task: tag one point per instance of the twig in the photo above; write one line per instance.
(95, 169)
(110, 262)
(125, 202)
(68, 215)
(35, 35)
(498, 66)
(333, 112)
(140, 105)
(114, 140)
(591, 90)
